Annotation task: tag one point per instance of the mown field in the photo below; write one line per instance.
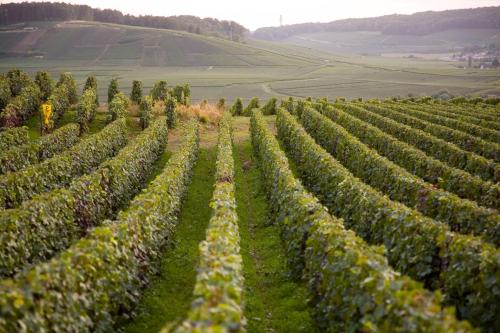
(151, 213)
(218, 68)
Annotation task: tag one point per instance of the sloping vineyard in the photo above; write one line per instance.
(148, 214)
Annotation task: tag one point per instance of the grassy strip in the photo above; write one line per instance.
(274, 302)
(169, 296)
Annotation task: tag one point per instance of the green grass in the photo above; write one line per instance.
(169, 296)
(274, 302)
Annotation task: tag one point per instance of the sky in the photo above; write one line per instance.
(254, 14)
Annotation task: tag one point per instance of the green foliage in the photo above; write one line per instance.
(118, 106)
(105, 268)
(414, 160)
(253, 104)
(237, 108)
(416, 245)
(179, 94)
(60, 170)
(221, 104)
(91, 83)
(86, 110)
(352, 286)
(45, 83)
(145, 111)
(288, 104)
(21, 107)
(13, 137)
(5, 93)
(454, 129)
(136, 93)
(219, 282)
(60, 104)
(467, 142)
(461, 215)
(187, 94)
(20, 157)
(170, 112)
(270, 107)
(159, 91)
(67, 80)
(439, 149)
(49, 223)
(112, 89)
(18, 80)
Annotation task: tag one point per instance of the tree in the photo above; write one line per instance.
(70, 83)
(159, 91)
(91, 83)
(237, 108)
(145, 111)
(136, 94)
(171, 113)
(60, 104)
(46, 84)
(112, 89)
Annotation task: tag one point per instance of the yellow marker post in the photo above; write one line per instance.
(47, 112)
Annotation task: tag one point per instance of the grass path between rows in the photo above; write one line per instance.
(169, 296)
(274, 302)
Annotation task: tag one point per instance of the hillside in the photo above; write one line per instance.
(417, 24)
(13, 13)
(216, 67)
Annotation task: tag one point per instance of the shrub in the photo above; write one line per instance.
(118, 106)
(171, 112)
(218, 291)
(13, 137)
(270, 107)
(60, 170)
(60, 104)
(221, 104)
(5, 93)
(352, 287)
(237, 108)
(88, 200)
(86, 110)
(107, 268)
(159, 91)
(253, 104)
(136, 94)
(145, 111)
(17, 81)
(178, 94)
(21, 106)
(20, 157)
(67, 80)
(45, 83)
(112, 89)
(91, 83)
(187, 94)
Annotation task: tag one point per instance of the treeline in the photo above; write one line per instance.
(12, 13)
(422, 23)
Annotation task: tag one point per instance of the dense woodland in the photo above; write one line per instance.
(13, 13)
(416, 24)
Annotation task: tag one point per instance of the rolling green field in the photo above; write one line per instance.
(219, 68)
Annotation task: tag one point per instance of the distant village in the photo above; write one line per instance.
(479, 57)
